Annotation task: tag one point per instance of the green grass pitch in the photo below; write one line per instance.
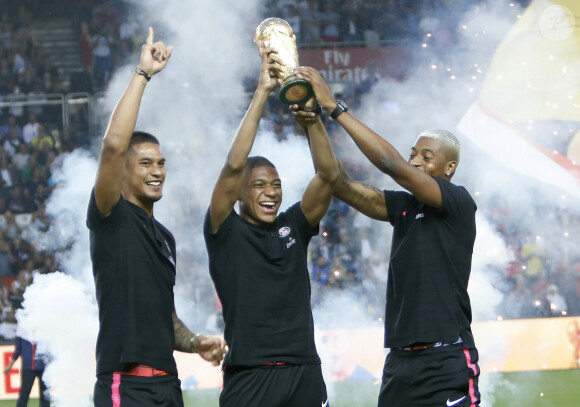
(557, 388)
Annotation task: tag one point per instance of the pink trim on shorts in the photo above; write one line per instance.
(115, 394)
(473, 367)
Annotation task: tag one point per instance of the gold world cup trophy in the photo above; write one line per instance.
(277, 34)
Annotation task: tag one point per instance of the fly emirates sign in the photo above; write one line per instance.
(357, 64)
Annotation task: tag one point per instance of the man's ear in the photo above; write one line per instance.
(450, 168)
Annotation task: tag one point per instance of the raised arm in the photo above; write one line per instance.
(378, 150)
(365, 198)
(229, 185)
(111, 171)
(318, 193)
(209, 348)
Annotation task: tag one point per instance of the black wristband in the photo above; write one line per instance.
(142, 72)
(341, 107)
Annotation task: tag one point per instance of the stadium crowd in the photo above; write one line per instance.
(542, 279)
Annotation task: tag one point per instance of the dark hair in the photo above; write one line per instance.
(140, 137)
(258, 161)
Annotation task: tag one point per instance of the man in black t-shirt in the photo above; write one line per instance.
(432, 359)
(134, 260)
(258, 264)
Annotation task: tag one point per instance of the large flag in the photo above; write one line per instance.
(528, 112)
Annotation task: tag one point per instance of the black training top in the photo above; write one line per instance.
(261, 278)
(429, 268)
(133, 259)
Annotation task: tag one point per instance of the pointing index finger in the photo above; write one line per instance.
(150, 36)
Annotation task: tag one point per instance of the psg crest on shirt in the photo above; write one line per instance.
(283, 232)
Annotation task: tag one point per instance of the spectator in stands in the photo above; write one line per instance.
(86, 49)
(18, 62)
(330, 20)
(47, 264)
(39, 175)
(20, 251)
(39, 224)
(30, 205)
(10, 228)
(42, 141)
(22, 24)
(321, 267)
(41, 193)
(32, 367)
(16, 110)
(347, 249)
(5, 266)
(17, 203)
(28, 169)
(3, 152)
(7, 35)
(7, 174)
(30, 129)
(6, 310)
(66, 142)
(19, 285)
(349, 22)
(37, 59)
(533, 254)
(11, 123)
(293, 18)
(7, 77)
(20, 158)
(29, 84)
(129, 34)
(105, 13)
(51, 84)
(12, 141)
(311, 21)
(3, 201)
(102, 43)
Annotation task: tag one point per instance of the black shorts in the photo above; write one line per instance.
(443, 376)
(117, 390)
(278, 386)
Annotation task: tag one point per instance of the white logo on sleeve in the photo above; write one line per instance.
(455, 402)
(325, 404)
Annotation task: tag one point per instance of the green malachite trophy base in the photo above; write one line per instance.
(295, 91)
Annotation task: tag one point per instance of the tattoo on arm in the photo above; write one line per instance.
(184, 337)
(363, 197)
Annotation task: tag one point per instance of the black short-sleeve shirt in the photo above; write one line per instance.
(261, 277)
(429, 268)
(133, 259)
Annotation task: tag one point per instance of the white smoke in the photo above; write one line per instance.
(194, 107)
(60, 315)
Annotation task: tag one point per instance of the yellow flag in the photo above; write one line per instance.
(529, 107)
(535, 72)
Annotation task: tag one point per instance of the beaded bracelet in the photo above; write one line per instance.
(142, 72)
